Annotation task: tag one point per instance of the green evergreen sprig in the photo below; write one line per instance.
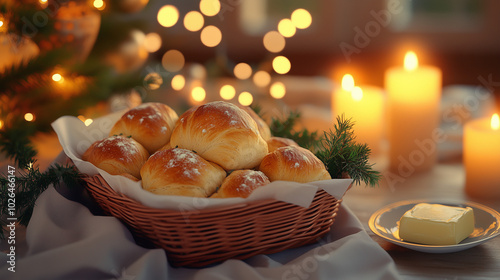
(29, 185)
(343, 156)
(286, 128)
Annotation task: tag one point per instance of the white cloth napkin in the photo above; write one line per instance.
(66, 241)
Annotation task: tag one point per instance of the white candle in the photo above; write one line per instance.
(413, 94)
(482, 157)
(365, 106)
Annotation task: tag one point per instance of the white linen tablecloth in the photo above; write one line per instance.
(66, 241)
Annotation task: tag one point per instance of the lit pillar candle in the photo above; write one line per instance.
(482, 157)
(413, 95)
(365, 106)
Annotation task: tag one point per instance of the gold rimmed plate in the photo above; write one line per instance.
(385, 223)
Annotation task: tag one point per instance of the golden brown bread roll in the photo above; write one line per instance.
(264, 129)
(241, 183)
(222, 133)
(117, 155)
(181, 172)
(150, 124)
(275, 142)
(292, 163)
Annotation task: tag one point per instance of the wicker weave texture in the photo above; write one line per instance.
(199, 238)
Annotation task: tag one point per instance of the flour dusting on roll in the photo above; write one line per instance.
(293, 163)
(151, 124)
(117, 155)
(181, 172)
(241, 183)
(222, 133)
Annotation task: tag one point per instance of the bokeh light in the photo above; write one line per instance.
(227, 92)
(153, 80)
(281, 64)
(286, 28)
(152, 42)
(198, 94)
(178, 82)
(29, 117)
(210, 7)
(242, 71)
(168, 16)
(261, 78)
(274, 41)
(193, 21)
(57, 78)
(211, 36)
(245, 98)
(88, 122)
(173, 60)
(98, 4)
(277, 90)
(301, 18)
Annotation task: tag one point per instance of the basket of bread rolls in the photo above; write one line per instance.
(213, 152)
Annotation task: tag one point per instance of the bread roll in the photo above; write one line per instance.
(151, 124)
(181, 172)
(292, 163)
(222, 133)
(275, 142)
(264, 129)
(241, 183)
(117, 155)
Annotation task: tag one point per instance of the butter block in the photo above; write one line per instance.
(436, 224)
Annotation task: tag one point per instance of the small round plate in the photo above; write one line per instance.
(385, 223)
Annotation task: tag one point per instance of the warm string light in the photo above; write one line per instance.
(178, 82)
(99, 4)
(152, 42)
(193, 21)
(227, 92)
(301, 18)
(277, 90)
(242, 71)
(168, 16)
(211, 36)
(85, 121)
(210, 7)
(29, 117)
(261, 78)
(58, 78)
(198, 94)
(173, 60)
(245, 98)
(281, 64)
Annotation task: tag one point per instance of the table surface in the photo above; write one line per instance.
(445, 181)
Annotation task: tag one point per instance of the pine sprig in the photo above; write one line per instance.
(30, 185)
(343, 156)
(286, 128)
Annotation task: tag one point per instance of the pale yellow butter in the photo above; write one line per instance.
(436, 224)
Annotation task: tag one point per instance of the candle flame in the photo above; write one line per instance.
(495, 122)
(411, 61)
(357, 94)
(348, 82)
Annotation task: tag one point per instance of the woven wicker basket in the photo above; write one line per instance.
(203, 237)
